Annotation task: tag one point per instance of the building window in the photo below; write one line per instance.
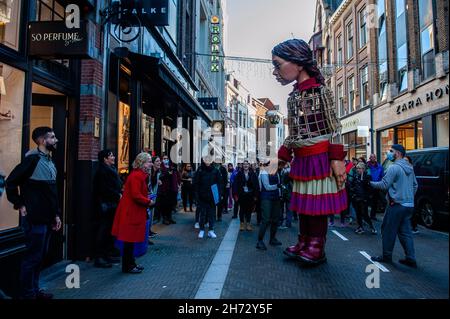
(49, 10)
(349, 41)
(354, 145)
(340, 100)
(382, 50)
(362, 28)
(427, 38)
(12, 88)
(10, 23)
(340, 55)
(351, 94)
(364, 74)
(442, 129)
(402, 44)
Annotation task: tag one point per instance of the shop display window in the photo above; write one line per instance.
(12, 85)
(442, 129)
(123, 125)
(10, 23)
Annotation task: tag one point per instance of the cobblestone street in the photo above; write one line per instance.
(176, 267)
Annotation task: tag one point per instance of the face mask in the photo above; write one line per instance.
(390, 156)
(166, 162)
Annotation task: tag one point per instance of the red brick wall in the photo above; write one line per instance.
(91, 72)
(90, 107)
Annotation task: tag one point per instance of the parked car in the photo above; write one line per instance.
(431, 166)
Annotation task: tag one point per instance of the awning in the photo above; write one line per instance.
(144, 65)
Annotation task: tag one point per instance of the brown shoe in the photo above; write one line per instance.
(249, 227)
(242, 227)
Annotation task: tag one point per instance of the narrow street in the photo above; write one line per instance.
(180, 266)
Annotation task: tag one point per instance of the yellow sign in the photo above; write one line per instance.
(215, 19)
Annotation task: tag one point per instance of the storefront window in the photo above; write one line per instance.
(148, 134)
(406, 136)
(419, 136)
(442, 129)
(123, 128)
(10, 23)
(12, 84)
(386, 141)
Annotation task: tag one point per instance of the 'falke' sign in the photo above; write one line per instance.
(52, 39)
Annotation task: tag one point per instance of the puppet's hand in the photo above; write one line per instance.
(338, 171)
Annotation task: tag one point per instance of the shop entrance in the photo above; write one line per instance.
(49, 108)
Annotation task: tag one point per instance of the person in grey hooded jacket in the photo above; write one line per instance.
(401, 186)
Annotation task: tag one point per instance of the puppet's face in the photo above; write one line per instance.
(284, 71)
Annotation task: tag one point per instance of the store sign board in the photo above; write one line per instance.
(155, 12)
(53, 39)
(429, 97)
(209, 103)
(215, 43)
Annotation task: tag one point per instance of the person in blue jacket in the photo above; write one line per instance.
(375, 196)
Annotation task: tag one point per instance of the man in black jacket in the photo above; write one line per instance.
(108, 190)
(205, 177)
(247, 187)
(223, 205)
(37, 203)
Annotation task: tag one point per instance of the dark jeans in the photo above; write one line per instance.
(258, 211)
(362, 212)
(104, 243)
(128, 261)
(397, 221)
(246, 204)
(37, 238)
(207, 215)
(187, 195)
(223, 205)
(270, 211)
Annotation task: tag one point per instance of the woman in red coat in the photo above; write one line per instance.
(131, 215)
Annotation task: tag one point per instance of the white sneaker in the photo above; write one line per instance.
(197, 226)
(212, 234)
(207, 225)
(201, 234)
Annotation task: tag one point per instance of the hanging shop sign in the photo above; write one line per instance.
(209, 103)
(155, 12)
(53, 39)
(429, 97)
(215, 44)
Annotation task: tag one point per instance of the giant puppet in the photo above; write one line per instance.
(317, 166)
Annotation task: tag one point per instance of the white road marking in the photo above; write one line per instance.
(339, 235)
(212, 284)
(382, 268)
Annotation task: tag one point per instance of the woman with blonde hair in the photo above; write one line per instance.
(270, 195)
(131, 215)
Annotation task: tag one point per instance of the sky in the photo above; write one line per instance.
(252, 29)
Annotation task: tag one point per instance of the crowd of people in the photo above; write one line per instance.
(308, 182)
